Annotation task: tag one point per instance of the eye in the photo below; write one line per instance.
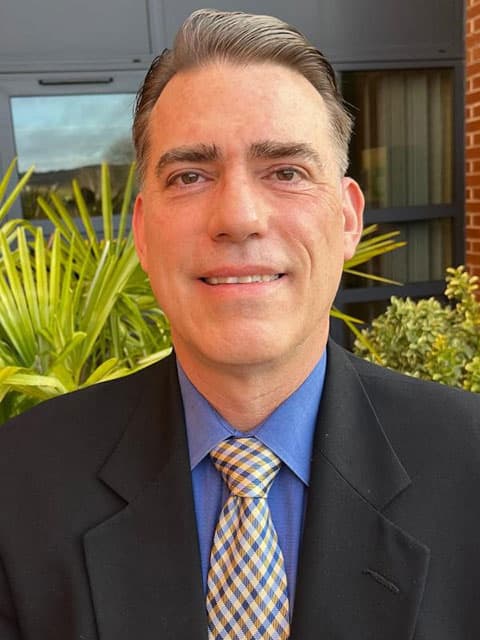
(185, 178)
(287, 175)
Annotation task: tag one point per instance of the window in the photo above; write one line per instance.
(68, 137)
(402, 150)
(67, 124)
(407, 154)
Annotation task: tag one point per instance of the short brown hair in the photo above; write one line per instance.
(208, 35)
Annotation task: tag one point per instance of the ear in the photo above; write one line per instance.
(138, 225)
(353, 206)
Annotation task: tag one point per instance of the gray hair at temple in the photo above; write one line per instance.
(208, 36)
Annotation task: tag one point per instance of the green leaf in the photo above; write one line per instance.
(127, 198)
(7, 204)
(42, 277)
(101, 371)
(6, 178)
(22, 377)
(86, 218)
(107, 214)
(6, 373)
(28, 279)
(19, 312)
(370, 276)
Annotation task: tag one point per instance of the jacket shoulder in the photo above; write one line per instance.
(93, 414)
(423, 419)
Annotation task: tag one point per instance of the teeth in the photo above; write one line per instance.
(242, 279)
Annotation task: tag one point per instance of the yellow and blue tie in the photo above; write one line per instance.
(247, 596)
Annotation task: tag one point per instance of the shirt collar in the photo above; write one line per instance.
(288, 431)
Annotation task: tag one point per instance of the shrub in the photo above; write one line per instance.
(430, 340)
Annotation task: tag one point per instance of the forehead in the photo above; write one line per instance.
(230, 105)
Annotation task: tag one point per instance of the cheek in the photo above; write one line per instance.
(318, 235)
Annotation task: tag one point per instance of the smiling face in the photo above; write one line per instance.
(243, 221)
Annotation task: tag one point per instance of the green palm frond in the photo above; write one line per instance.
(371, 246)
(74, 309)
(7, 202)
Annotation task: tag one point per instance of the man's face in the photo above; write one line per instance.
(243, 221)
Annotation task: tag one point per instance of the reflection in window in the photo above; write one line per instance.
(402, 148)
(425, 257)
(68, 137)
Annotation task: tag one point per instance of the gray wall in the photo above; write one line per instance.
(52, 35)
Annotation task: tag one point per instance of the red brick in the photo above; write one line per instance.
(475, 82)
(472, 168)
(472, 153)
(472, 263)
(476, 20)
(474, 138)
(475, 111)
(474, 54)
(474, 68)
(473, 180)
(474, 97)
(475, 223)
(475, 216)
(473, 234)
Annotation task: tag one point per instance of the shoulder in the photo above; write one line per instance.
(379, 380)
(74, 421)
(423, 420)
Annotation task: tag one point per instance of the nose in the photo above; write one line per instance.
(238, 213)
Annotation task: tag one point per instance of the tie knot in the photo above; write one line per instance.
(247, 466)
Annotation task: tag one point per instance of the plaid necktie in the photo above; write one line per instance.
(246, 585)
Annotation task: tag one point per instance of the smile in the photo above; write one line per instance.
(242, 279)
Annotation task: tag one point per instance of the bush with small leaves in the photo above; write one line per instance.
(429, 340)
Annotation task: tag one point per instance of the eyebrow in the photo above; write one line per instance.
(273, 150)
(266, 149)
(188, 153)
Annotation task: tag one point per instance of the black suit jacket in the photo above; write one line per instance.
(97, 526)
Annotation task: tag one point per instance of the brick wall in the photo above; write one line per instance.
(472, 133)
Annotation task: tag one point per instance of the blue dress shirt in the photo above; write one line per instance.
(288, 432)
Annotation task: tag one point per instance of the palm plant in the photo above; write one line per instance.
(73, 310)
(76, 308)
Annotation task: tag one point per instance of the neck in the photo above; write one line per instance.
(246, 395)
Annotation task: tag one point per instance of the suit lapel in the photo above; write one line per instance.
(360, 576)
(143, 562)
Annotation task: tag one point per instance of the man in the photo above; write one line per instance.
(116, 521)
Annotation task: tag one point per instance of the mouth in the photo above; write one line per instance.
(242, 279)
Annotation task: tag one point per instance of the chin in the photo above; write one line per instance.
(250, 351)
